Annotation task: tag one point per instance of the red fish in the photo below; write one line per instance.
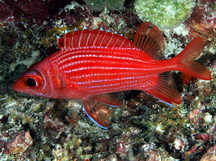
(92, 63)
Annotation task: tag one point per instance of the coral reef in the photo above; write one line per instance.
(34, 128)
(164, 13)
(202, 20)
(16, 13)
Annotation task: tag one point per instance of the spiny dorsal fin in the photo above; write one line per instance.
(165, 89)
(150, 40)
(99, 38)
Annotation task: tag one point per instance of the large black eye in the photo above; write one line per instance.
(31, 82)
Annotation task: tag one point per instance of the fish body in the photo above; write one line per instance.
(93, 71)
(92, 63)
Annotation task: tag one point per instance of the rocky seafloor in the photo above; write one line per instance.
(143, 128)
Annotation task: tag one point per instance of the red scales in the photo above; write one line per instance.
(92, 63)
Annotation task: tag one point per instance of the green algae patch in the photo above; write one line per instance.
(164, 13)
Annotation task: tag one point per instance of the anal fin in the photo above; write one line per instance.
(165, 89)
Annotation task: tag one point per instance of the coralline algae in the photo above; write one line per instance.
(164, 13)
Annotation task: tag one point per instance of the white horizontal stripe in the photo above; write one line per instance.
(93, 49)
(134, 79)
(124, 86)
(88, 58)
(103, 68)
(92, 75)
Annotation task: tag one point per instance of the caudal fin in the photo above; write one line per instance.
(187, 61)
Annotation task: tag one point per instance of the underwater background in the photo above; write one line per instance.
(143, 129)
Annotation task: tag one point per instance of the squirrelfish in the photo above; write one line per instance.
(92, 63)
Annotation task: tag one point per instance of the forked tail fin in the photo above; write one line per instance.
(186, 60)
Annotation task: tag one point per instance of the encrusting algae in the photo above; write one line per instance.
(164, 13)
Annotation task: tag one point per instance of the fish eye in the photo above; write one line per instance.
(33, 79)
(31, 82)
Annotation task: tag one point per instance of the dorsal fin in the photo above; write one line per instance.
(150, 39)
(93, 38)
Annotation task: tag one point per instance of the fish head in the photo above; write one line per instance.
(34, 82)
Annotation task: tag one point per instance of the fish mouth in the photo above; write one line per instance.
(18, 86)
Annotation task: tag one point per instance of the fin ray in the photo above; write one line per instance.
(150, 40)
(93, 38)
(186, 60)
(97, 112)
(165, 89)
